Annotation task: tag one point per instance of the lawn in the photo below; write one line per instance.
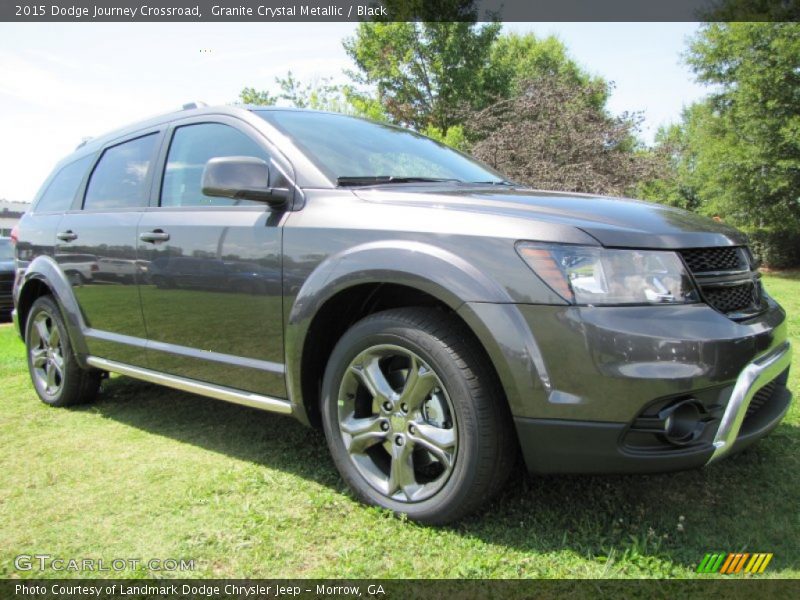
(151, 473)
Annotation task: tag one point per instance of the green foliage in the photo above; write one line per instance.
(256, 97)
(752, 10)
(752, 130)
(455, 137)
(319, 94)
(517, 58)
(424, 72)
(738, 152)
(430, 75)
(777, 248)
(678, 181)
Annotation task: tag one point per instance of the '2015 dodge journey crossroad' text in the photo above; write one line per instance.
(433, 318)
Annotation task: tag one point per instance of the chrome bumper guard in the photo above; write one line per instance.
(754, 376)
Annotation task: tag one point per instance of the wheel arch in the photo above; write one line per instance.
(367, 279)
(44, 277)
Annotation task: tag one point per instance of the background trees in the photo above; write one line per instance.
(736, 154)
(553, 134)
(739, 150)
(522, 104)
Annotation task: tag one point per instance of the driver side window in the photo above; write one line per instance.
(191, 148)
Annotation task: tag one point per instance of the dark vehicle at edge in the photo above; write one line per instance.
(7, 272)
(433, 318)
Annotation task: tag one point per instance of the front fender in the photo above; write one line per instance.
(437, 272)
(45, 270)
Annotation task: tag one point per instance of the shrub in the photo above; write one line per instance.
(777, 248)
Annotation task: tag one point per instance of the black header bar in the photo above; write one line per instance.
(266, 11)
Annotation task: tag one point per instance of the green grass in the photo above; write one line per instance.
(152, 473)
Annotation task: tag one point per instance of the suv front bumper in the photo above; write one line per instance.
(565, 446)
(585, 378)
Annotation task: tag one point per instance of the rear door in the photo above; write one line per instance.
(37, 230)
(96, 247)
(212, 296)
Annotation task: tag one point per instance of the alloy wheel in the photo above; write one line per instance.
(397, 423)
(47, 354)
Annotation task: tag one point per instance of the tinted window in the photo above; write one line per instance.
(119, 179)
(343, 146)
(60, 193)
(191, 148)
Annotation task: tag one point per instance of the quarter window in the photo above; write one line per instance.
(61, 192)
(120, 178)
(191, 148)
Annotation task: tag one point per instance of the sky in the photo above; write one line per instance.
(63, 82)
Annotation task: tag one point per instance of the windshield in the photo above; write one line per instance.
(353, 151)
(6, 250)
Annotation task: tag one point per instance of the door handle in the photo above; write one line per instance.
(154, 236)
(67, 236)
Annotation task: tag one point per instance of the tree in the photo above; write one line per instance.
(319, 94)
(743, 142)
(423, 73)
(552, 135)
(250, 95)
(517, 59)
(677, 181)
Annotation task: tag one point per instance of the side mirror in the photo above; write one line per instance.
(241, 178)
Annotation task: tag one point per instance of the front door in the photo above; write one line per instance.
(212, 295)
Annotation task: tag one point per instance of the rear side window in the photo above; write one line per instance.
(61, 192)
(191, 148)
(120, 178)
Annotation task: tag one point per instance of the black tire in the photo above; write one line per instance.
(475, 445)
(71, 384)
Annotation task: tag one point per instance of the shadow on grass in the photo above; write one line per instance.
(748, 502)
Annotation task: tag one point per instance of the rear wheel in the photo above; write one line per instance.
(57, 377)
(415, 420)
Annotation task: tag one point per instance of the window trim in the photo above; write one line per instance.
(79, 204)
(277, 161)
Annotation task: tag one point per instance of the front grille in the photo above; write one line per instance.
(706, 260)
(727, 279)
(733, 298)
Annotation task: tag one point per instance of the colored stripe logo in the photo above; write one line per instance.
(734, 562)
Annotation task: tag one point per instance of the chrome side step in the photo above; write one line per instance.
(202, 388)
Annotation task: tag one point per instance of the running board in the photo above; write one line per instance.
(209, 390)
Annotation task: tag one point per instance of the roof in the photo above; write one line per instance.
(233, 110)
(96, 142)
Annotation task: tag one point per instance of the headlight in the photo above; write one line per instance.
(597, 276)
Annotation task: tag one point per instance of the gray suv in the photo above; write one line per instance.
(432, 317)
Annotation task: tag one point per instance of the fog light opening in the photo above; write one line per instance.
(684, 422)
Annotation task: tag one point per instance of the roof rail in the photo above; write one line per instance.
(191, 105)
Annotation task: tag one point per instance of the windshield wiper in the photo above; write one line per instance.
(504, 182)
(381, 179)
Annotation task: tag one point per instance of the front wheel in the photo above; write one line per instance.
(57, 377)
(414, 418)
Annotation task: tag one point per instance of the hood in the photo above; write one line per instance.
(614, 222)
(7, 265)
